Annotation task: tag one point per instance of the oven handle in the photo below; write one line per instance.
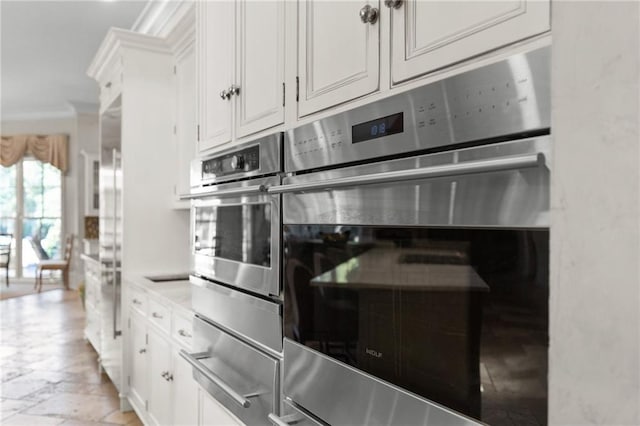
(469, 167)
(245, 190)
(193, 359)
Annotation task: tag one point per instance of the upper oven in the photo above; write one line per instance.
(235, 223)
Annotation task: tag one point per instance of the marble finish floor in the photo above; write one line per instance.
(49, 372)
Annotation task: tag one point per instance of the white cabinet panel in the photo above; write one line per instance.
(215, 47)
(160, 378)
(186, 137)
(338, 54)
(427, 35)
(212, 413)
(184, 400)
(138, 359)
(260, 51)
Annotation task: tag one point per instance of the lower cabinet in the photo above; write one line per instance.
(138, 359)
(160, 379)
(184, 403)
(212, 413)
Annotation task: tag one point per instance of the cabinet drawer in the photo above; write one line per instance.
(159, 315)
(182, 330)
(138, 300)
(243, 379)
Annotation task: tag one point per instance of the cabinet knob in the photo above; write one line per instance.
(234, 90)
(368, 15)
(183, 333)
(141, 351)
(224, 95)
(156, 315)
(393, 4)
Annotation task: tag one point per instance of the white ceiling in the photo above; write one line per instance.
(46, 48)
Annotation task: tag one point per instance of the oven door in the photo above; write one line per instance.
(235, 235)
(416, 290)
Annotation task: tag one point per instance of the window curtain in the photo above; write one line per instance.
(52, 149)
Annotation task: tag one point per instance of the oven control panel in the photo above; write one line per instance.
(232, 163)
(506, 98)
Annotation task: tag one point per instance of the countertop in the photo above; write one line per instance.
(176, 292)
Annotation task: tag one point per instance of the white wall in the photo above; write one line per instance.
(594, 358)
(83, 134)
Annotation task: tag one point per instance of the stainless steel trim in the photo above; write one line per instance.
(193, 359)
(515, 197)
(458, 169)
(213, 192)
(288, 420)
(509, 97)
(339, 394)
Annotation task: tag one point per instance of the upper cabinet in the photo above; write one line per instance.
(339, 53)
(240, 67)
(428, 35)
(215, 61)
(182, 42)
(340, 43)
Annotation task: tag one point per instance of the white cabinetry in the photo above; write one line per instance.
(92, 301)
(212, 413)
(351, 49)
(240, 66)
(138, 359)
(339, 55)
(182, 40)
(428, 35)
(160, 376)
(184, 403)
(161, 387)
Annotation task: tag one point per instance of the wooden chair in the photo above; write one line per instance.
(57, 265)
(5, 254)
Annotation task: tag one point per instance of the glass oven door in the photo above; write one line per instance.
(235, 236)
(436, 285)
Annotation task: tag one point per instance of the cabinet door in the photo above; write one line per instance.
(184, 399)
(427, 35)
(138, 359)
(215, 47)
(185, 68)
(159, 373)
(212, 413)
(260, 50)
(338, 54)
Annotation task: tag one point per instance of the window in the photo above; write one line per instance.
(31, 207)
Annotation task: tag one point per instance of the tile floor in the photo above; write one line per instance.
(49, 372)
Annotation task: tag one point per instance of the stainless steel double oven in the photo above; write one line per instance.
(235, 244)
(415, 255)
(396, 272)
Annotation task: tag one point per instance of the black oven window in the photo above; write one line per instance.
(240, 233)
(459, 316)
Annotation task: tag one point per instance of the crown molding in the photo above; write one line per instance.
(181, 29)
(159, 17)
(117, 39)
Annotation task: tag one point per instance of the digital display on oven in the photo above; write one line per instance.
(378, 128)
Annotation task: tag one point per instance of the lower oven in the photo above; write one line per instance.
(416, 289)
